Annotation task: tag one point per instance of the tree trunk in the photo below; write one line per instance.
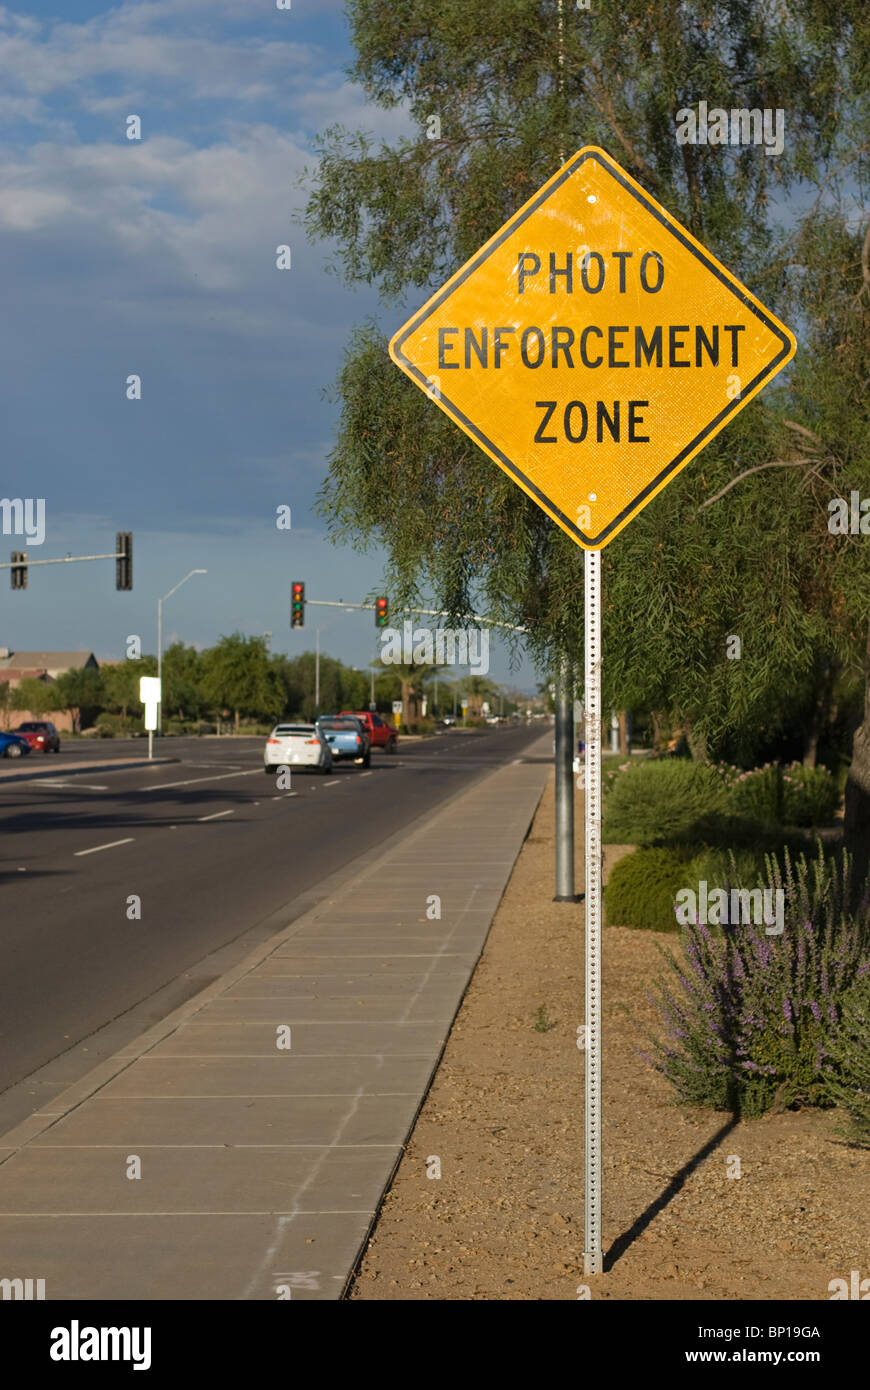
(856, 824)
(410, 705)
(821, 714)
(623, 733)
(237, 721)
(812, 748)
(697, 744)
(656, 721)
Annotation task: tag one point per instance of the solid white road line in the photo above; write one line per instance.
(81, 786)
(216, 815)
(96, 849)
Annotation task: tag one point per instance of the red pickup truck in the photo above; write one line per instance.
(380, 734)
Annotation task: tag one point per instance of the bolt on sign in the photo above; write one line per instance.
(592, 347)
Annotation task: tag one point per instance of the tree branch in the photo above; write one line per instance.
(759, 467)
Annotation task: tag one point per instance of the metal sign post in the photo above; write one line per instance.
(592, 1254)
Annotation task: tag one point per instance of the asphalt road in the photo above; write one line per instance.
(217, 857)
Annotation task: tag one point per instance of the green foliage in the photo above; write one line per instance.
(751, 1020)
(237, 673)
(653, 802)
(666, 800)
(738, 543)
(773, 795)
(81, 692)
(35, 695)
(543, 1022)
(757, 795)
(642, 889)
(848, 1083)
(811, 796)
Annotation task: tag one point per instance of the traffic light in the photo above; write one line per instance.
(382, 612)
(124, 560)
(297, 610)
(19, 570)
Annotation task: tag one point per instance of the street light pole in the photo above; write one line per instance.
(160, 603)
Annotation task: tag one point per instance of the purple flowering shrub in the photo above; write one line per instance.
(849, 1082)
(750, 1020)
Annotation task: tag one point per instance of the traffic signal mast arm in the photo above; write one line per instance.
(425, 612)
(123, 557)
(64, 560)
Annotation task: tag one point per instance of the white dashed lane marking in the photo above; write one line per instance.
(112, 845)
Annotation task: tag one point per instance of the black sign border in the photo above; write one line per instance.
(676, 231)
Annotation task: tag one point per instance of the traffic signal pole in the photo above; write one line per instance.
(564, 785)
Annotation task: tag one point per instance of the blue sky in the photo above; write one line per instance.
(157, 258)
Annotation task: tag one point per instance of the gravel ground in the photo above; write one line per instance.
(504, 1118)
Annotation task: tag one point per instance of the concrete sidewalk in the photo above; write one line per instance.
(262, 1166)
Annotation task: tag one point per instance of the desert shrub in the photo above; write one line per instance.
(848, 1084)
(662, 800)
(794, 795)
(733, 867)
(424, 727)
(750, 1018)
(643, 887)
(811, 795)
(757, 795)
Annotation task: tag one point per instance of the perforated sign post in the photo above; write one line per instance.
(591, 348)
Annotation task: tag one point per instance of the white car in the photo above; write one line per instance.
(297, 745)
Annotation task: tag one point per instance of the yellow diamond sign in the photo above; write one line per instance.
(592, 347)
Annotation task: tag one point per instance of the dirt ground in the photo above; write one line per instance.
(505, 1119)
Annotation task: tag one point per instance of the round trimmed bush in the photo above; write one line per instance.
(643, 888)
(666, 799)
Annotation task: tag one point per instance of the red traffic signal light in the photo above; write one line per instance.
(297, 606)
(382, 612)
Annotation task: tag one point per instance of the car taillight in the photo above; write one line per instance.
(312, 740)
(274, 740)
(358, 739)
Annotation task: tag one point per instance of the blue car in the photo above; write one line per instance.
(346, 738)
(13, 746)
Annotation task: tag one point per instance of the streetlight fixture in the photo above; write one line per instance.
(160, 603)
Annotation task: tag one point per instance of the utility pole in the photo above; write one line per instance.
(564, 785)
(317, 676)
